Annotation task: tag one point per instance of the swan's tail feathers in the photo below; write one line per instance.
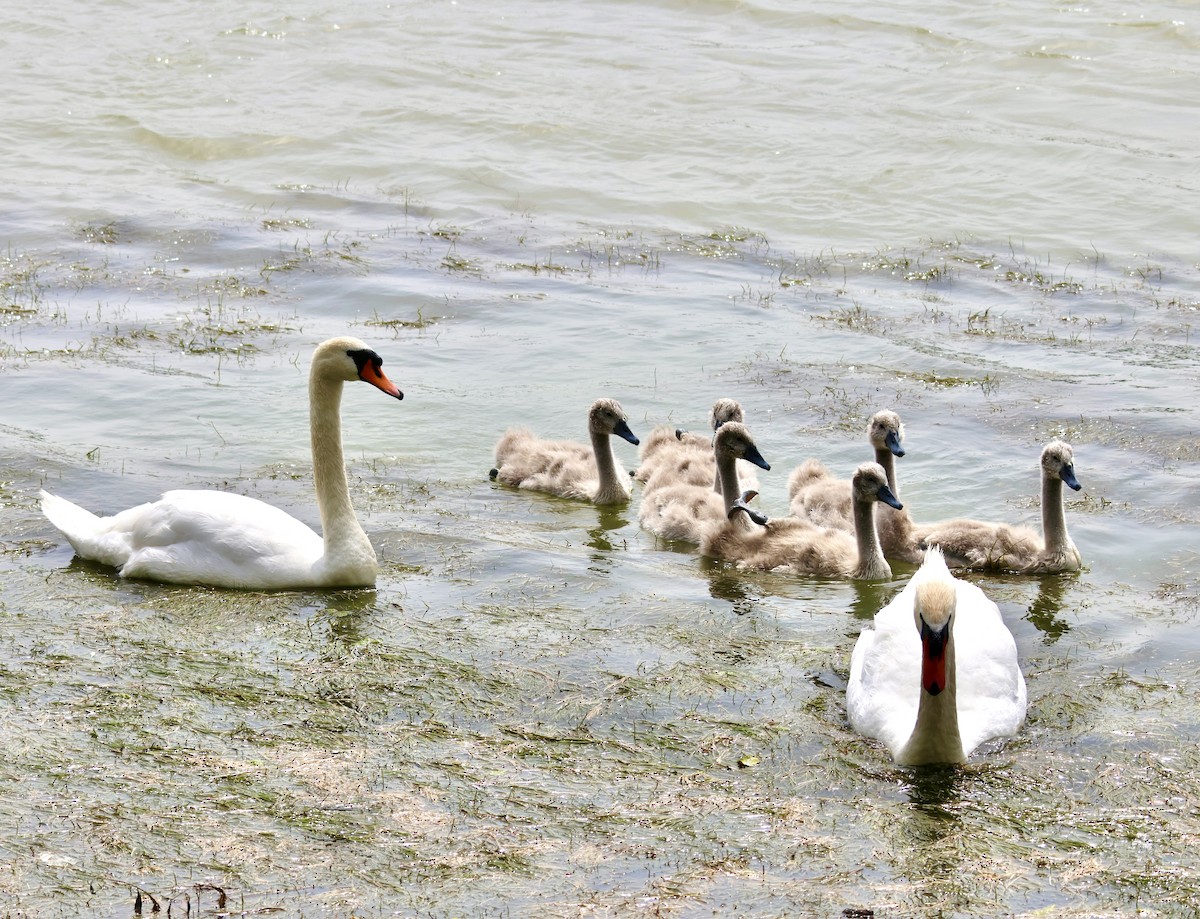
(90, 536)
(67, 517)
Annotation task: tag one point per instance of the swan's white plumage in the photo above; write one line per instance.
(885, 691)
(221, 539)
(567, 468)
(1001, 546)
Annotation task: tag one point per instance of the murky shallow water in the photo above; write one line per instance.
(541, 709)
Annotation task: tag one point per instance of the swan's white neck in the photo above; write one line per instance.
(347, 548)
(871, 563)
(935, 737)
(611, 489)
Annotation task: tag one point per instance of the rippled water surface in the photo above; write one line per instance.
(979, 218)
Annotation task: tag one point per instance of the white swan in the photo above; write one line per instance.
(567, 468)
(221, 539)
(685, 510)
(999, 546)
(938, 673)
(814, 493)
(798, 545)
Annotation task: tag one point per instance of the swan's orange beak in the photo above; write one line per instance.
(933, 659)
(372, 372)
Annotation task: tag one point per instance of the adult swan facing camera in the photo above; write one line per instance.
(938, 675)
(220, 539)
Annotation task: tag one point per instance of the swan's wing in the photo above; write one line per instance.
(885, 676)
(991, 687)
(215, 537)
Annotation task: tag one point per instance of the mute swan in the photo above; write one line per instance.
(938, 673)
(975, 544)
(673, 456)
(798, 545)
(684, 510)
(568, 468)
(824, 500)
(221, 539)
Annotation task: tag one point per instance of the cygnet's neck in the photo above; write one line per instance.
(611, 487)
(887, 459)
(1054, 517)
(935, 737)
(345, 542)
(871, 563)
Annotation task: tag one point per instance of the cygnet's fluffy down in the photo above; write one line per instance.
(825, 500)
(673, 457)
(567, 468)
(684, 511)
(800, 546)
(1000, 546)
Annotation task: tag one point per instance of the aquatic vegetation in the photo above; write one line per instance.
(537, 706)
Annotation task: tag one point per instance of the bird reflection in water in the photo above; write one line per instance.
(609, 518)
(1045, 610)
(725, 582)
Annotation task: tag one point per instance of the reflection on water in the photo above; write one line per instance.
(726, 582)
(1047, 605)
(870, 597)
(608, 520)
(932, 789)
(933, 858)
(346, 613)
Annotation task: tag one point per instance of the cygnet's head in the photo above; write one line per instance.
(885, 430)
(870, 484)
(1058, 461)
(724, 411)
(733, 439)
(607, 417)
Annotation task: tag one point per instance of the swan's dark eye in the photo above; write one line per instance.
(363, 357)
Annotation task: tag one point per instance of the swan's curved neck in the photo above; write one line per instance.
(871, 563)
(611, 488)
(1054, 517)
(935, 737)
(339, 525)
